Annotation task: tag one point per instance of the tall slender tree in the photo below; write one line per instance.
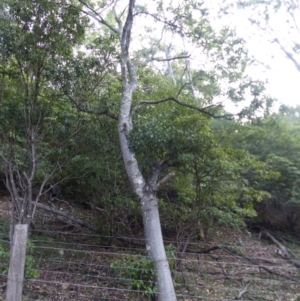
(34, 35)
(187, 19)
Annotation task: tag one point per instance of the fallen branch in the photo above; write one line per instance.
(257, 264)
(235, 253)
(204, 251)
(286, 254)
(287, 239)
(67, 216)
(59, 202)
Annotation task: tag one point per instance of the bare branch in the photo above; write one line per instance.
(164, 180)
(188, 71)
(242, 292)
(193, 107)
(125, 44)
(118, 19)
(4, 159)
(171, 58)
(164, 21)
(94, 14)
(40, 193)
(181, 89)
(288, 54)
(156, 102)
(126, 33)
(292, 14)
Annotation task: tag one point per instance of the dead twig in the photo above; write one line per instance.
(242, 292)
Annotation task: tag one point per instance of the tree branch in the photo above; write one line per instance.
(164, 180)
(175, 99)
(155, 172)
(164, 21)
(288, 54)
(79, 108)
(171, 58)
(242, 292)
(97, 17)
(125, 44)
(283, 249)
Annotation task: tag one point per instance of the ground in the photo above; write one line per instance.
(66, 262)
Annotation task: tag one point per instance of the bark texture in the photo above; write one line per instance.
(145, 191)
(155, 247)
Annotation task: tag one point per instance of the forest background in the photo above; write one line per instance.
(121, 107)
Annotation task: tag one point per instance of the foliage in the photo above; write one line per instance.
(139, 271)
(171, 255)
(36, 121)
(30, 271)
(61, 78)
(4, 258)
(211, 183)
(60, 85)
(275, 140)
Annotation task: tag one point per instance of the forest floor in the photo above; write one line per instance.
(66, 262)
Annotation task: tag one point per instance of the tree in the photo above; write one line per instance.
(36, 122)
(278, 21)
(275, 141)
(222, 50)
(145, 190)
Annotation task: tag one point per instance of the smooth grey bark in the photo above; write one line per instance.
(170, 68)
(145, 191)
(155, 247)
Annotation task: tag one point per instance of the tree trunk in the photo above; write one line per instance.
(155, 247)
(145, 192)
(152, 227)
